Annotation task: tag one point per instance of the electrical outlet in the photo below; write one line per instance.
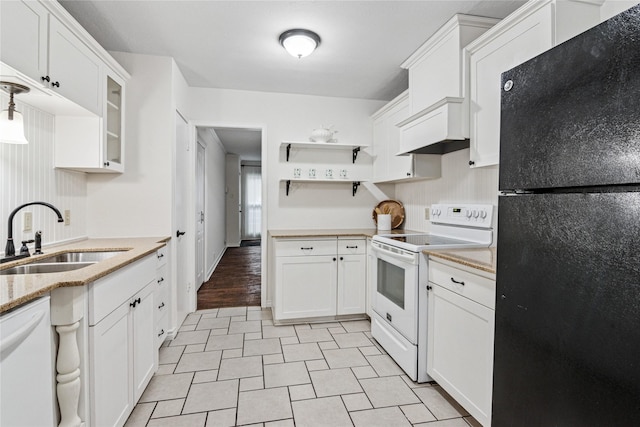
(67, 217)
(427, 213)
(27, 221)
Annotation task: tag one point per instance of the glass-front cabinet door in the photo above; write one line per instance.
(113, 148)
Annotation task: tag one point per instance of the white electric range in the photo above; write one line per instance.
(399, 318)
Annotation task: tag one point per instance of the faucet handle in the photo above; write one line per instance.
(24, 250)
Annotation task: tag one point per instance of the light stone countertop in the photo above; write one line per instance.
(18, 289)
(481, 258)
(330, 232)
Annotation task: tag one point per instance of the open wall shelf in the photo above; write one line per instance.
(354, 148)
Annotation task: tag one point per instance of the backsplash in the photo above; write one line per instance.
(459, 183)
(27, 174)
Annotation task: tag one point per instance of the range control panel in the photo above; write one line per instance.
(463, 214)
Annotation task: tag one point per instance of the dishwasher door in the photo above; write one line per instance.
(26, 367)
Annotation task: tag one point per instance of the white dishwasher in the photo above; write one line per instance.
(26, 367)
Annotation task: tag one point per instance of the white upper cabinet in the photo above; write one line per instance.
(387, 166)
(38, 45)
(24, 35)
(73, 77)
(529, 31)
(438, 112)
(74, 70)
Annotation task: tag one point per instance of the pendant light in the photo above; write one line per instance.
(299, 42)
(11, 121)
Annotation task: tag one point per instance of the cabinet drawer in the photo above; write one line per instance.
(474, 287)
(351, 246)
(305, 247)
(106, 294)
(161, 254)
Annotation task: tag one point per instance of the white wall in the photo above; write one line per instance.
(27, 174)
(232, 188)
(293, 117)
(139, 201)
(214, 199)
(459, 183)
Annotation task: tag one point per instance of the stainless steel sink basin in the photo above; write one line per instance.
(36, 268)
(73, 257)
(62, 262)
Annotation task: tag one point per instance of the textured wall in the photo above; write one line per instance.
(459, 183)
(27, 174)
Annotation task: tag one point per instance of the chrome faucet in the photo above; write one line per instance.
(10, 250)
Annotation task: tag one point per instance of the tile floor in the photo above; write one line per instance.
(232, 366)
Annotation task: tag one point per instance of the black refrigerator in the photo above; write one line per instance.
(567, 320)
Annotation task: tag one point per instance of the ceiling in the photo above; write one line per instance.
(234, 44)
(246, 143)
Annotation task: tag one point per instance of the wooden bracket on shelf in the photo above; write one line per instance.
(288, 151)
(355, 154)
(356, 184)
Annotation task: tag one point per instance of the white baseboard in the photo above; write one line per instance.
(211, 269)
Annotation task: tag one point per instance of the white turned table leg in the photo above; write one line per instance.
(68, 378)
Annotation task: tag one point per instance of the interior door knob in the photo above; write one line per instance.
(180, 233)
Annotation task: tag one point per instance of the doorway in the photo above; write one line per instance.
(233, 253)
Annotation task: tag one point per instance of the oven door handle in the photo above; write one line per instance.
(403, 256)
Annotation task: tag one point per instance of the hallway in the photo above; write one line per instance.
(235, 281)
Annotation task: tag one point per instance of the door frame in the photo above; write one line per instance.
(193, 124)
(200, 176)
(180, 313)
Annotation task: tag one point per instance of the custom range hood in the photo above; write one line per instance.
(439, 121)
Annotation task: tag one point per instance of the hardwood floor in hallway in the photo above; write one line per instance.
(235, 281)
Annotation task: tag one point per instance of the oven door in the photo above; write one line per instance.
(396, 296)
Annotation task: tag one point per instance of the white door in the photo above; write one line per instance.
(185, 295)
(200, 195)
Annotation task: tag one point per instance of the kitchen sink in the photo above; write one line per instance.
(61, 262)
(77, 257)
(38, 268)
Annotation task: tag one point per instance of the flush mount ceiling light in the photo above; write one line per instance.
(299, 42)
(11, 123)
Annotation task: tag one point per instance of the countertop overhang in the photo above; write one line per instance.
(18, 289)
(484, 259)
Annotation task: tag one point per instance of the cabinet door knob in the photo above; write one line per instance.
(334, 259)
(471, 163)
(429, 287)
(341, 258)
(180, 233)
(106, 163)
(408, 173)
(455, 281)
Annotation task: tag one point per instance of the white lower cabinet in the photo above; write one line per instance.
(461, 334)
(122, 340)
(319, 278)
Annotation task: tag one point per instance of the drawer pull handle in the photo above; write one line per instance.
(310, 248)
(352, 247)
(160, 280)
(160, 306)
(455, 281)
(135, 302)
(160, 256)
(161, 332)
(429, 287)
